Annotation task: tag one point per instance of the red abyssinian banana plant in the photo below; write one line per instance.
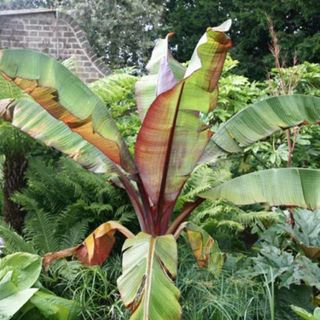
(61, 111)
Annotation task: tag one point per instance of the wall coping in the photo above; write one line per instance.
(25, 11)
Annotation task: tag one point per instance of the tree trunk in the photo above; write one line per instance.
(14, 169)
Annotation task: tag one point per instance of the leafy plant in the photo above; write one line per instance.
(22, 297)
(173, 102)
(303, 314)
(286, 268)
(62, 203)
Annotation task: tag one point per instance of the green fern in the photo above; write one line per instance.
(75, 234)
(40, 226)
(202, 179)
(64, 203)
(117, 92)
(13, 241)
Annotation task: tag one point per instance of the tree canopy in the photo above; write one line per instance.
(295, 21)
(123, 31)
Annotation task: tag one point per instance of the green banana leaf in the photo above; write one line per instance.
(18, 272)
(13, 303)
(24, 268)
(67, 99)
(49, 306)
(146, 285)
(305, 315)
(261, 120)
(287, 186)
(28, 116)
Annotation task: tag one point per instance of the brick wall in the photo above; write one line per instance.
(54, 33)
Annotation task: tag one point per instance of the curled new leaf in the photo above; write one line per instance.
(164, 73)
(95, 249)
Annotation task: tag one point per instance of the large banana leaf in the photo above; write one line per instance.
(146, 286)
(62, 95)
(31, 118)
(172, 136)
(287, 186)
(164, 73)
(261, 120)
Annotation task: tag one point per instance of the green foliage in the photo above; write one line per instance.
(21, 296)
(302, 78)
(12, 140)
(122, 32)
(296, 295)
(306, 229)
(286, 268)
(295, 21)
(304, 314)
(94, 289)
(117, 92)
(235, 93)
(228, 296)
(13, 241)
(63, 202)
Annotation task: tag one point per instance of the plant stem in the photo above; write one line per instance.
(186, 211)
(146, 204)
(134, 198)
(289, 147)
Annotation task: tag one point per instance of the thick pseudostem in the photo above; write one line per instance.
(14, 169)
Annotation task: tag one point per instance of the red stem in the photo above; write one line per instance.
(146, 204)
(186, 211)
(134, 198)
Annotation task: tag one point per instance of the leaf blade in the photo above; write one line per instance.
(286, 186)
(261, 120)
(67, 99)
(146, 286)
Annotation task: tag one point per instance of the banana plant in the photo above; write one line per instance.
(173, 101)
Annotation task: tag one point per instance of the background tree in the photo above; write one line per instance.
(296, 23)
(120, 31)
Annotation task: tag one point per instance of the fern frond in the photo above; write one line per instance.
(75, 235)
(40, 226)
(67, 270)
(125, 214)
(264, 216)
(13, 241)
(205, 177)
(114, 87)
(231, 225)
